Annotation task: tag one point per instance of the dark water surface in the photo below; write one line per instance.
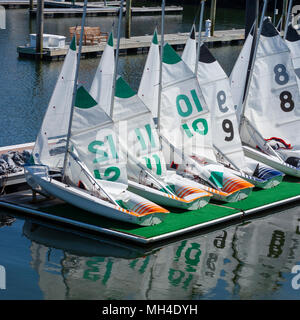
(251, 259)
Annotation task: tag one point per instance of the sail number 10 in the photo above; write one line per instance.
(199, 125)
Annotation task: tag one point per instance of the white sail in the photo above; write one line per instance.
(227, 144)
(184, 116)
(50, 144)
(273, 104)
(238, 75)
(149, 94)
(95, 140)
(216, 90)
(137, 131)
(189, 54)
(195, 158)
(101, 88)
(293, 42)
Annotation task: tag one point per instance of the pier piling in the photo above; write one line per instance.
(40, 29)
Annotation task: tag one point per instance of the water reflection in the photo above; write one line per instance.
(244, 261)
(6, 220)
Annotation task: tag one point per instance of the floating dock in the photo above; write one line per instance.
(176, 224)
(136, 45)
(19, 198)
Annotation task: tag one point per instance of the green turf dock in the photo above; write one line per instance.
(177, 222)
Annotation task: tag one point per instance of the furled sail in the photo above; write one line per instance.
(50, 144)
(272, 107)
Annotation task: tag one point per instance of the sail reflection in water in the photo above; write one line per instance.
(250, 260)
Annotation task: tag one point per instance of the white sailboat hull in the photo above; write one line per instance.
(197, 201)
(271, 161)
(259, 183)
(85, 201)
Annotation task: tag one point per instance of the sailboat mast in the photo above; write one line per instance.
(252, 62)
(74, 89)
(162, 43)
(288, 19)
(111, 113)
(199, 36)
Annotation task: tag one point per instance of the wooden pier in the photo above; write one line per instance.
(137, 45)
(50, 3)
(105, 11)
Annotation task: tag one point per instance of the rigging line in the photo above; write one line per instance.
(74, 89)
(288, 19)
(197, 13)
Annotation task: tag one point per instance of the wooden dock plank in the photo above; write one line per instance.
(54, 12)
(138, 44)
(50, 3)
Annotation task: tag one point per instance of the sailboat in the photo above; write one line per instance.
(227, 144)
(184, 124)
(147, 172)
(268, 104)
(80, 160)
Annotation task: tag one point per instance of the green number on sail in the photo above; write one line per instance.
(157, 161)
(183, 99)
(221, 97)
(281, 75)
(113, 174)
(141, 138)
(102, 156)
(228, 128)
(195, 126)
(287, 103)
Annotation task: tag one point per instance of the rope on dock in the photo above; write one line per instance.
(13, 161)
